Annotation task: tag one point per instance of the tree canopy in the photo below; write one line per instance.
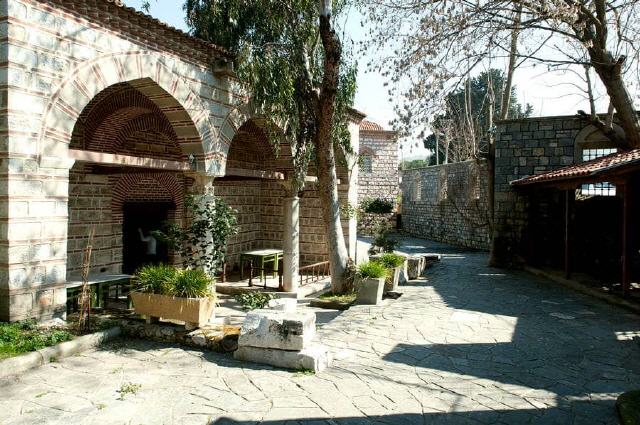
(280, 61)
(435, 45)
(464, 126)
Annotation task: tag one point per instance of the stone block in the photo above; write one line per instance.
(315, 357)
(283, 304)
(282, 330)
(415, 266)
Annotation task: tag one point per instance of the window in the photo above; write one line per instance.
(417, 189)
(367, 164)
(600, 188)
(589, 154)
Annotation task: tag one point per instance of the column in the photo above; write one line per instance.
(291, 242)
(202, 189)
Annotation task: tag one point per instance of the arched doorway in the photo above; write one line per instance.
(134, 147)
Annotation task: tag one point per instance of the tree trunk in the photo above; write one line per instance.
(504, 114)
(610, 73)
(325, 154)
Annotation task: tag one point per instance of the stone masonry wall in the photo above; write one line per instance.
(382, 181)
(54, 61)
(447, 203)
(523, 148)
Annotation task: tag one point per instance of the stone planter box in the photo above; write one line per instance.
(369, 291)
(392, 282)
(195, 312)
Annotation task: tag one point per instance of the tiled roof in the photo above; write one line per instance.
(594, 167)
(367, 125)
(135, 21)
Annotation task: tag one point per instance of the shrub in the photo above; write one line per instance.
(373, 270)
(377, 206)
(254, 300)
(167, 280)
(203, 243)
(23, 337)
(390, 260)
(382, 239)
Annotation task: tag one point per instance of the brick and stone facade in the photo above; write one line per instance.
(103, 107)
(378, 175)
(378, 163)
(447, 203)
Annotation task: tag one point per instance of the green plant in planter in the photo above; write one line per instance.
(372, 270)
(167, 280)
(155, 279)
(192, 284)
(390, 260)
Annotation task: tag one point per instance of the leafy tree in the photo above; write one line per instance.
(203, 243)
(464, 128)
(292, 62)
(414, 163)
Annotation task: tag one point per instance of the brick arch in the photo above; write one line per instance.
(149, 74)
(147, 122)
(239, 120)
(126, 182)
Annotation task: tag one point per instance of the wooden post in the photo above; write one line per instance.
(568, 211)
(626, 235)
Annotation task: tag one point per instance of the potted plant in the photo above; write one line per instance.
(395, 264)
(166, 292)
(370, 283)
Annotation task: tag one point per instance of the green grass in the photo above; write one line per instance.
(304, 372)
(341, 298)
(23, 337)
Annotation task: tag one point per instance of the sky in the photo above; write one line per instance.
(548, 93)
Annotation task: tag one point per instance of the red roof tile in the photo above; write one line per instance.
(367, 125)
(584, 169)
(105, 10)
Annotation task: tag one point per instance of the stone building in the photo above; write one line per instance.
(110, 119)
(378, 174)
(564, 198)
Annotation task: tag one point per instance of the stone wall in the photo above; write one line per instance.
(60, 59)
(55, 60)
(368, 222)
(523, 148)
(382, 180)
(96, 202)
(447, 203)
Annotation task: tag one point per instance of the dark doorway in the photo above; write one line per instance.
(144, 217)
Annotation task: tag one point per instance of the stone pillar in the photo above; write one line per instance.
(291, 243)
(202, 188)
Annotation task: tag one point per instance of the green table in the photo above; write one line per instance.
(260, 257)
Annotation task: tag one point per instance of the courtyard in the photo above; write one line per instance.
(465, 344)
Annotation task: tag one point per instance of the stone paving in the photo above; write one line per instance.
(468, 344)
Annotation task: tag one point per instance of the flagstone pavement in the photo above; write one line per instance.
(467, 344)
